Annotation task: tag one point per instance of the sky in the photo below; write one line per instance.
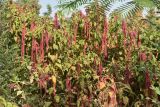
(44, 4)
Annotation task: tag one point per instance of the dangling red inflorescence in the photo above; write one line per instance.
(87, 29)
(42, 82)
(104, 36)
(132, 35)
(69, 41)
(42, 49)
(84, 49)
(127, 75)
(34, 53)
(104, 40)
(115, 18)
(124, 28)
(82, 15)
(33, 25)
(147, 80)
(143, 56)
(47, 38)
(23, 42)
(95, 63)
(100, 69)
(68, 84)
(105, 54)
(56, 23)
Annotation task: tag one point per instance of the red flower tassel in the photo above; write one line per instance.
(87, 29)
(84, 49)
(127, 75)
(56, 24)
(124, 28)
(147, 80)
(100, 69)
(143, 56)
(42, 49)
(82, 15)
(34, 53)
(32, 26)
(105, 53)
(69, 41)
(115, 18)
(47, 40)
(68, 84)
(132, 37)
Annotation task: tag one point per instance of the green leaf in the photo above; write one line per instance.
(47, 104)
(50, 90)
(145, 3)
(19, 93)
(57, 98)
(59, 65)
(125, 100)
(156, 89)
(55, 46)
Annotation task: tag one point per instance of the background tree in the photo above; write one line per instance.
(127, 7)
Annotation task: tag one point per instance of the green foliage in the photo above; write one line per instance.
(49, 8)
(75, 69)
(4, 103)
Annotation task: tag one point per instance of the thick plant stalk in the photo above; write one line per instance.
(23, 42)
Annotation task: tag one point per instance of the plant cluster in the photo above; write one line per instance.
(82, 61)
